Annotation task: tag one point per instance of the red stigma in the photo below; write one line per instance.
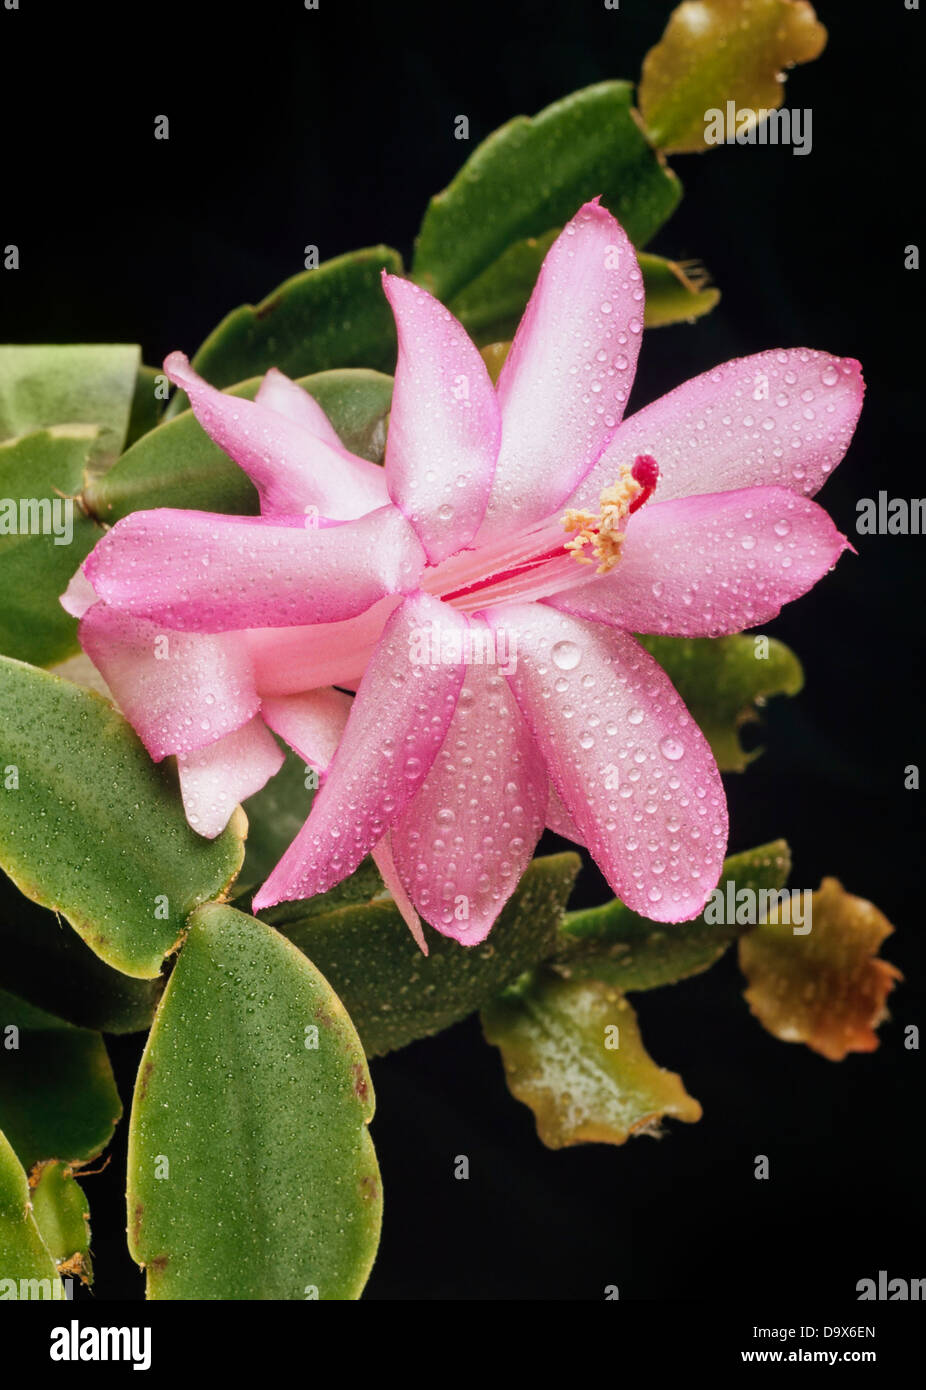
(645, 471)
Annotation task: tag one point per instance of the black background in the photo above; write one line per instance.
(290, 127)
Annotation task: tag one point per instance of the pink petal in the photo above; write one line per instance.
(311, 723)
(397, 723)
(568, 375)
(382, 858)
(444, 428)
(215, 779)
(277, 392)
(630, 765)
(559, 820)
(462, 845)
(79, 595)
(294, 468)
(288, 660)
(778, 418)
(199, 571)
(179, 690)
(706, 566)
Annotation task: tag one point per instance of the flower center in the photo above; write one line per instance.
(603, 533)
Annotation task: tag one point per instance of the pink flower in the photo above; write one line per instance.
(479, 594)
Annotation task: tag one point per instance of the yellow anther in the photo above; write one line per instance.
(602, 532)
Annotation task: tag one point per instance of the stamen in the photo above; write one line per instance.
(603, 533)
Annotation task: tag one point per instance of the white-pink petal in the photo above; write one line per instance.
(397, 723)
(444, 428)
(201, 571)
(311, 723)
(296, 468)
(779, 418)
(629, 763)
(708, 566)
(566, 380)
(462, 845)
(384, 861)
(215, 779)
(179, 690)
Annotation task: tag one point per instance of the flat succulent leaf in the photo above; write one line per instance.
(62, 1215)
(44, 536)
(177, 464)
(676, 291)
(533, 174)
(89, 384)
(393, 993)
(48, 966)
(826, 987)
(92, 828)
(715, 51)
(614, 945)
(147, 404)
(572, 1052)
(19, 1013)
(58, 1098)
(252, 1173)
(724, 681)
(490, 307)
(24, 1255)
(333, 316)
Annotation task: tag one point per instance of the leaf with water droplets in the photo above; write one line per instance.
(715, 51)
(92, 828)
(393, 993)
(724, 681)
(90, 385)
(252, 1173)
(63, 1217)
(45, 536)
(23, 1253)
(58, 1098)
(533, 174)
(616, 946)
(572, 1052)
(824, 987)
(177, 464)
(333, 316)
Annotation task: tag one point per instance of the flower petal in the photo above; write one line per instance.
(568, 375)
(444, 427)
(289, 660)
(382, 858)
(629, 763)
(707, 566)
(179, 690)
(201, 571)
(79, 595)
(397, 723)
(311, 723)
(293, 467)
(777, 418)
(462, 845)
(278, 392)
(213, 780)
(559, 820)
